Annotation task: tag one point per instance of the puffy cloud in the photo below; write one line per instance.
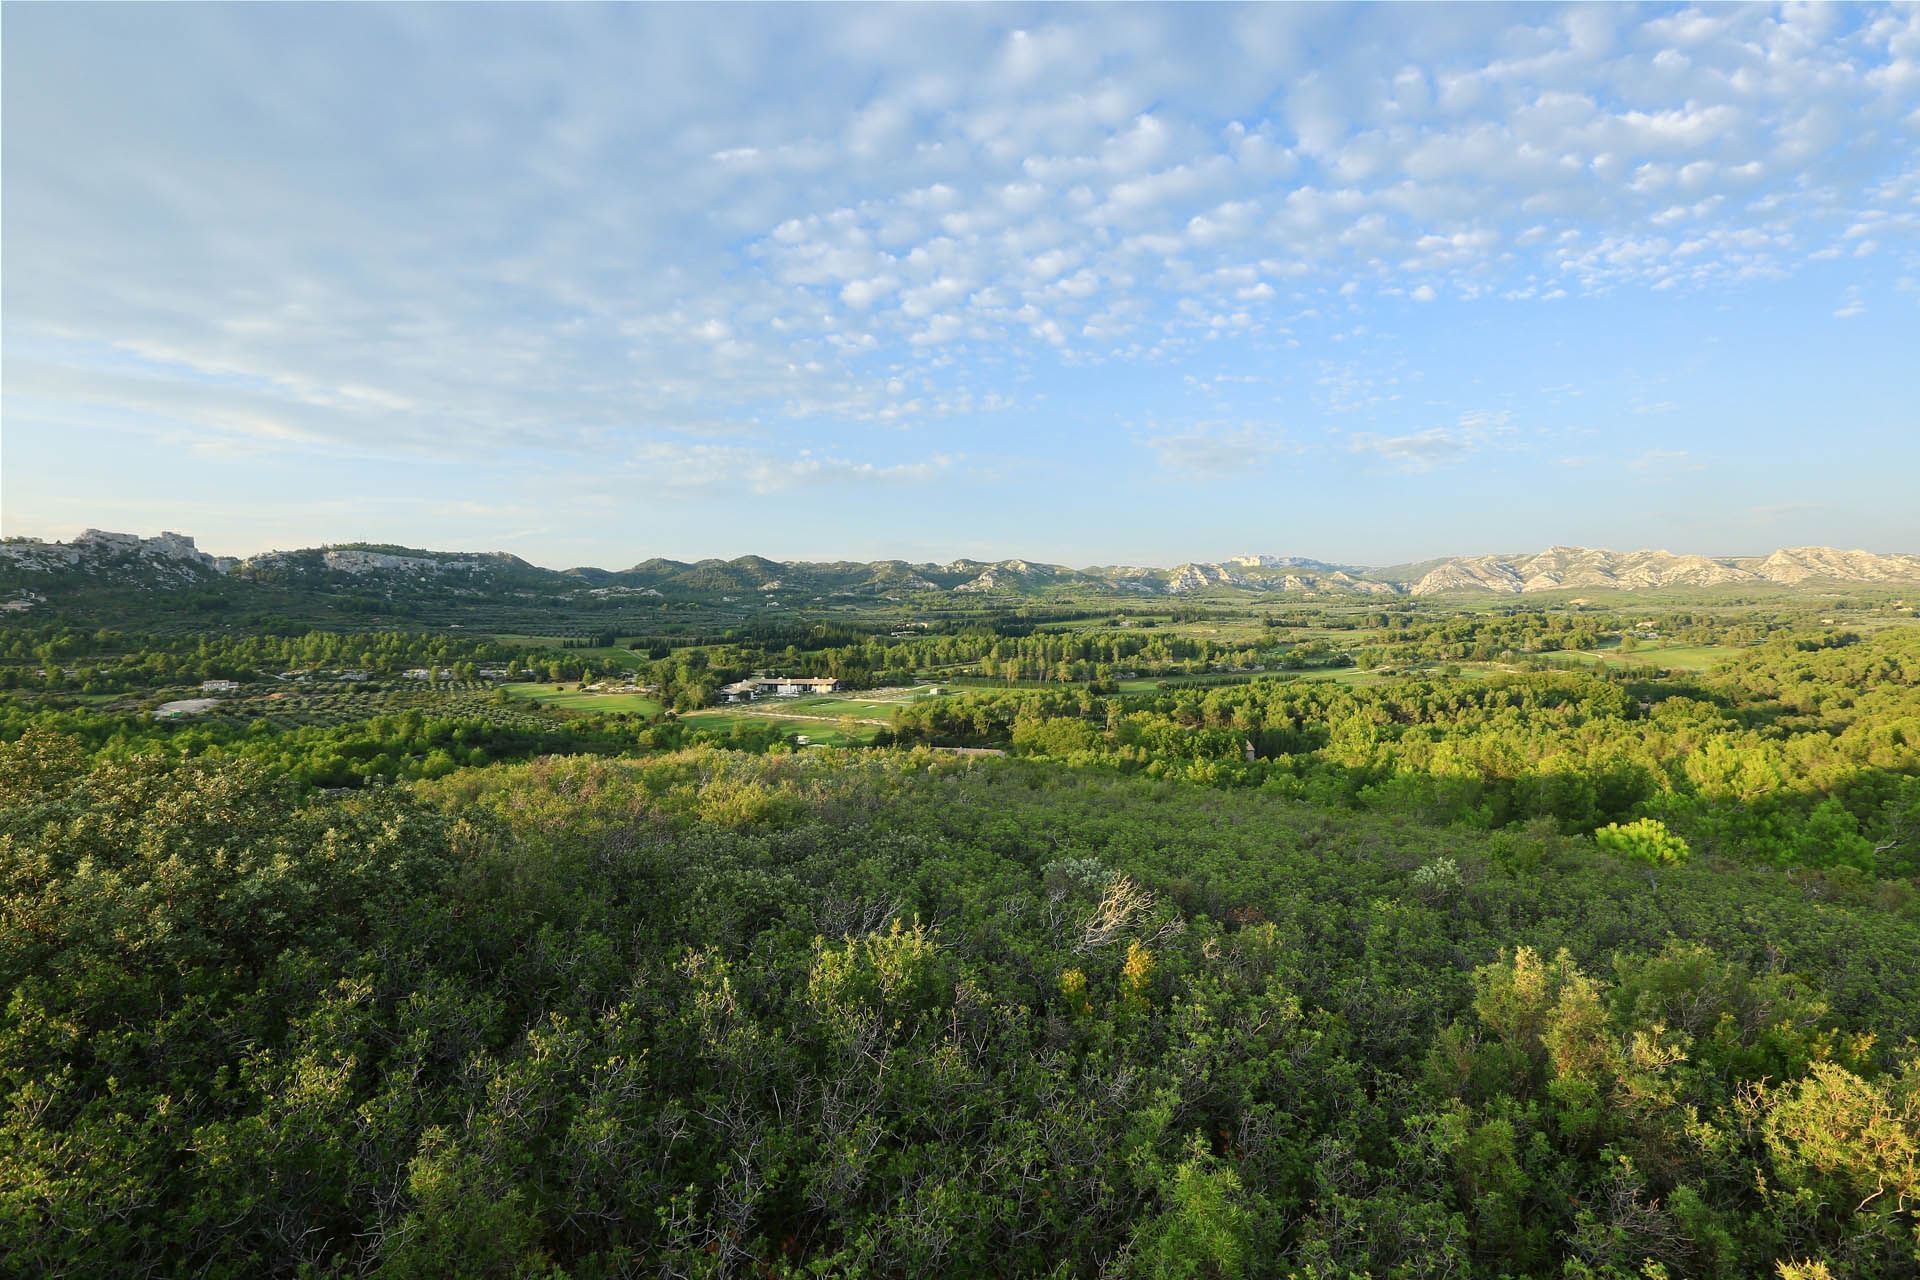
(671, 467)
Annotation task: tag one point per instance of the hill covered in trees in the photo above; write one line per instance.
(893, 1013)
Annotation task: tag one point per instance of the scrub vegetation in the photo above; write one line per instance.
(1237, 964)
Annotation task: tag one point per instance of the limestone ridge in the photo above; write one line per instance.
(1584, 569)
(172, 561)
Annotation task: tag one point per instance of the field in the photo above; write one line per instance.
(567, 699)
(828, 732)
(822, 718)
(300, 710)
(1675, 657)
(868, 703)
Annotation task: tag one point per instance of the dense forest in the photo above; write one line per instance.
(1298, 957)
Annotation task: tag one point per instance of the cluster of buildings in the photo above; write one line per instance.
(777, 687)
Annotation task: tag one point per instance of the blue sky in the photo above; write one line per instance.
(1083, 284)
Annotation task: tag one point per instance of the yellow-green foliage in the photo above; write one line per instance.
(876, 975)
(1136, 976)
(1833, 1131)
(1202, 1232)
(1804, 1269)
(1073, 986)
(1516, 997)
(1644, 840)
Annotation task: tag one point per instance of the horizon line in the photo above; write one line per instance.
(1332, 563)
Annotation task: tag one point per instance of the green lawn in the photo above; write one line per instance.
(822, 731)
(571, 699)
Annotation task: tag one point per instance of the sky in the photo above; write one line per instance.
(1081, 284)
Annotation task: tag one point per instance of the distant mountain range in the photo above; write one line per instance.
(29, 568)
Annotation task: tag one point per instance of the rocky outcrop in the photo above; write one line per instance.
(358, 562)
(169, 557)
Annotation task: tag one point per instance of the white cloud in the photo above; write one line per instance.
(1217, 449)
(1415, 451)
(1418, 451)
(678, 467)
(1665, 462)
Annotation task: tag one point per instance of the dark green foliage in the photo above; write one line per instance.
(109, 661)
(352, 753)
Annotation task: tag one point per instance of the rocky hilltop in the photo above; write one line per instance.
(1799, 564)
(169, 557)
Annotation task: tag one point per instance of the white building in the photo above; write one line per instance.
(778, 687)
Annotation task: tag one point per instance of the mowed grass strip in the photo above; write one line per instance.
(826, 732)
(865, 708)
